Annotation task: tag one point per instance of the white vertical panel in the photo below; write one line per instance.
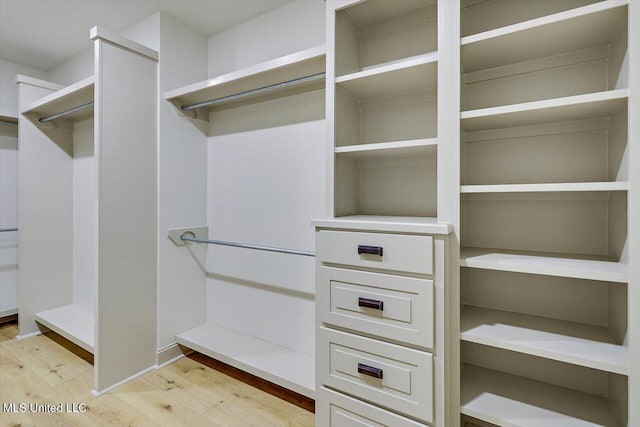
(126, 149)
(8, 219)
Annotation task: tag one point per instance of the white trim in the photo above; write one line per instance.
(168, 354)
(21, 78)
(32, 334)
(9, 312)
(98, 32)
(126, 380)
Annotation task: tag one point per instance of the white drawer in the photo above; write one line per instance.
(338, 410)
(399, 252)
(389, 375)
(393, 307)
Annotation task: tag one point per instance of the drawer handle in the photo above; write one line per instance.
(370, 371)
(370, 303)
(374, 250)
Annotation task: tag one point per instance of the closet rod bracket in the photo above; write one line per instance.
(175, 234)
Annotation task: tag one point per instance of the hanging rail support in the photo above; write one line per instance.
(66, 112)
(5, 230)
(254, 92)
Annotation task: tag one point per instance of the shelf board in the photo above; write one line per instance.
(414, 147)
(547, 187)
(8, 120)
(589, 26)
(73, 323)
(398, 224)
(509, 400)
(569, 342)
(598, 104)
(544, 264)
(287, 368)
(287, 68)
(64, 99)
(411, 74)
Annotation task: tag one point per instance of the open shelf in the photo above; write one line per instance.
(564, 109)
(402, 76)
(570, 342)
(588, 26)
(398, 224)
(545, 264)
(510, 400)
(73, 323)
(390, 149)
(9, 121)
(287, 368)
(75, 95)
(546, 187)
(277, 77)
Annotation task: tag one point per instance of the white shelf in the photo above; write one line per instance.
(417, 73)
(287, 368)
(414, 147)
(397, 224)
(572, 30)
(73, 323)
(280, 70)
(544, 264)
(64, 99)
(513, 401)
(570, 342)
(8, 120)
(550, 187)
(576, 107)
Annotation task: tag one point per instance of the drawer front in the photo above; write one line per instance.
(338, 410)
(398, 252)
(392, 307)
(389, 375)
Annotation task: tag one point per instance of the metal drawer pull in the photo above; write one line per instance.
(370, 371)
(370, 303)
(374, 250)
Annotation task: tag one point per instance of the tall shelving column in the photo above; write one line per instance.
(547, 212)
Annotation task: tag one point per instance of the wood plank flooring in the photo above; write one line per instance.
(185, 393)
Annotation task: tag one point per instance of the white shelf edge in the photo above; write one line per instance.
(547, 187)
(60, 94)
(240, 351)
(305, 55)
(99, 32)
(398, 224)
(32, 81)
(402, 64)
(544, 264)
(383, 146)
(545, 20)
(546, 104)
(71, 322)
(505, 330)
(509, 400)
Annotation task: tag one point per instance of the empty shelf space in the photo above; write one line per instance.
(546, 187)
(415, 73)
(268, 80)
(398, 224)
(69, 98)
(73, 323)
(509, 400)
(8, 120)
(570, 342)
(599, 104)
(390, 149)
(544, 264)
(287, 368)
(588, 26)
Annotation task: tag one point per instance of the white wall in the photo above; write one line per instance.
(295, 26)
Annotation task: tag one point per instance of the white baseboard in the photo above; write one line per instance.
(8, 312)
(32, 334)
(168, 354)
(126, 380)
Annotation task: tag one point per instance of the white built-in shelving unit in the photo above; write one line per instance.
(88, 206)
(545, 212)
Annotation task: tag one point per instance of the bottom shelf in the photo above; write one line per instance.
(509, 400)
(287, 368)
(72, 322)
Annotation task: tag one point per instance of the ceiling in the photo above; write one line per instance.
(45, 33)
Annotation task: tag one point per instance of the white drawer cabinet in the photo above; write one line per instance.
(389, 306)
(390, 375)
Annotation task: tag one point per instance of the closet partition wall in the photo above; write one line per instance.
(88, 209)
(8, 217)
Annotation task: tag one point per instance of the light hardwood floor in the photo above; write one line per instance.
(184, 393)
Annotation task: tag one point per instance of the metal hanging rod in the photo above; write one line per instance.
(186, 238)
(3, 230)
(8, 123)
(254, 92)
(66, 112)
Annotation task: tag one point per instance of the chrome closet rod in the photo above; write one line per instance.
(247, 246)
(2, 230)
(252, 92)
(66, 112)
(8, 123)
